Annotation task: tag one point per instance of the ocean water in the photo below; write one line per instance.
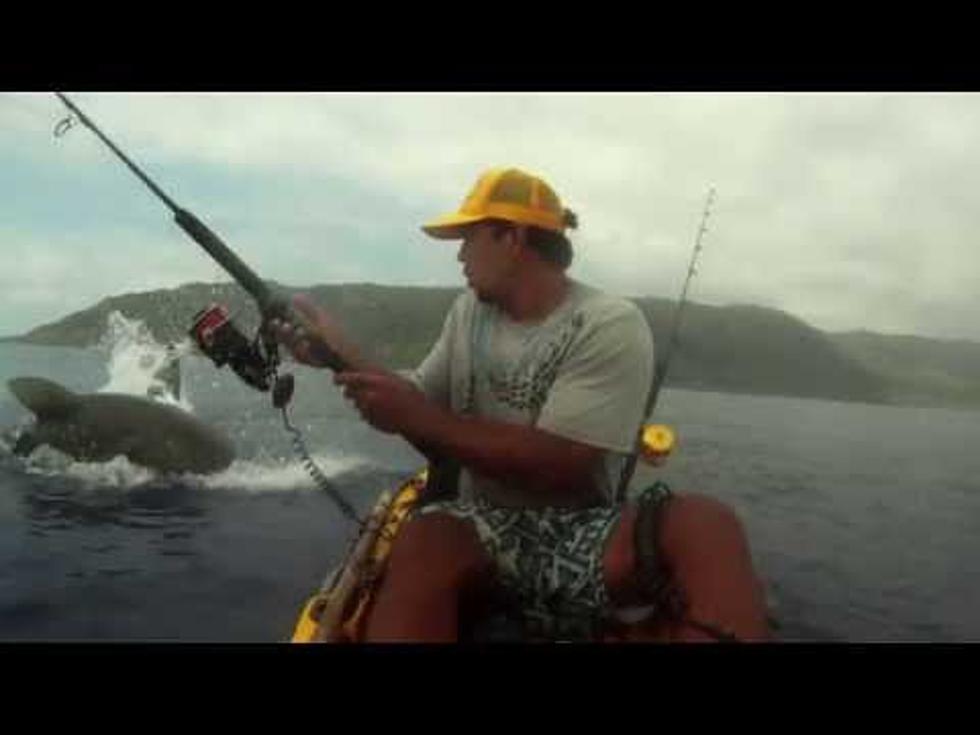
(864, 521)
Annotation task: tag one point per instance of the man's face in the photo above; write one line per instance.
(488, 261)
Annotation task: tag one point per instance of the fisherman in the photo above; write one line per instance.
(535, 389)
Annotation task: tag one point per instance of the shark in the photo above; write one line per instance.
(95, 427)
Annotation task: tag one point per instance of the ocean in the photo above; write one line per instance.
(863, 521)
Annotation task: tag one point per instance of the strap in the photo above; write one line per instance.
(442, 481)
(654, 574)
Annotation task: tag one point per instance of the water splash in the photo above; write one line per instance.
(137, 363)
(242, 475)
(134, 360)
(118, 472)
(253, 476)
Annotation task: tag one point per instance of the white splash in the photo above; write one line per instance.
(118, 472)
(253, 476)
(242, 475)
(137, 362)
(134, 360)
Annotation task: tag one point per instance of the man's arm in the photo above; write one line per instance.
(558, 470)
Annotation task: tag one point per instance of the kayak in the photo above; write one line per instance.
(337, 612)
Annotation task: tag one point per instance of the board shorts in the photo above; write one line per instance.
(549, 563)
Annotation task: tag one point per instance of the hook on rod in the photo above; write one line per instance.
(64, 126)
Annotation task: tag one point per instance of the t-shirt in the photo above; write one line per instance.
(582, 373)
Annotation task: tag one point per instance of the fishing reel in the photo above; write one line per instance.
(255, 361)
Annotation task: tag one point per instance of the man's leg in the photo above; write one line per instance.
(435, 561)
(706, 549)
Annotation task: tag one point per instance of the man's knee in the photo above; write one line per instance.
(697, 522)
(440, 549)
(436, 560)
(706, 546)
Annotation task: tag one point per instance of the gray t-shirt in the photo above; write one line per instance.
(582, 373)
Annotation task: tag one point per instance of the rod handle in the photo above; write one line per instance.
(278, 307)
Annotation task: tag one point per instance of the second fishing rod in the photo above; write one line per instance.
(660, 371)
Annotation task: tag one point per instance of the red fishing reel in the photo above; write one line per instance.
(255, 361)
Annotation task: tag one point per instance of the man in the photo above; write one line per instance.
(535, 388)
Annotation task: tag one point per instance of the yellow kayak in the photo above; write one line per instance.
(336, 613)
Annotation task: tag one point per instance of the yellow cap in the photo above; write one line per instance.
(503, 193)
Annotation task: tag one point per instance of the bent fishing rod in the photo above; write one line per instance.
(660, 373)
(270, 304)
(213, 329)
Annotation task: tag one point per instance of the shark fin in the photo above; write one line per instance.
(45, 398)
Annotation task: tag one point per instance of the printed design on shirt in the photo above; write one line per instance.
(525, 386)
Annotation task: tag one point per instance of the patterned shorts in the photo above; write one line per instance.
(549, 562)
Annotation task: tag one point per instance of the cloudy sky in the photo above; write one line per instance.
(846, 210)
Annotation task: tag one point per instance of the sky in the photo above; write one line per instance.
(849, 211)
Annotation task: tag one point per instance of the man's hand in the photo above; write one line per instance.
(386, 401)
(312, 322)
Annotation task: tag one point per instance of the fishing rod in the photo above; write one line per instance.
(270, 304)
(256, 362)
(660, 373)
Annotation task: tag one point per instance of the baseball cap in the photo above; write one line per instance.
(508, 194)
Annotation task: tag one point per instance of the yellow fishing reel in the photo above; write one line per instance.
(657, 443)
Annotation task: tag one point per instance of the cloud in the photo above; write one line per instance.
(848, 210)
(42, 280)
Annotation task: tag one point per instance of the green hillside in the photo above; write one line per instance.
(735, 349)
